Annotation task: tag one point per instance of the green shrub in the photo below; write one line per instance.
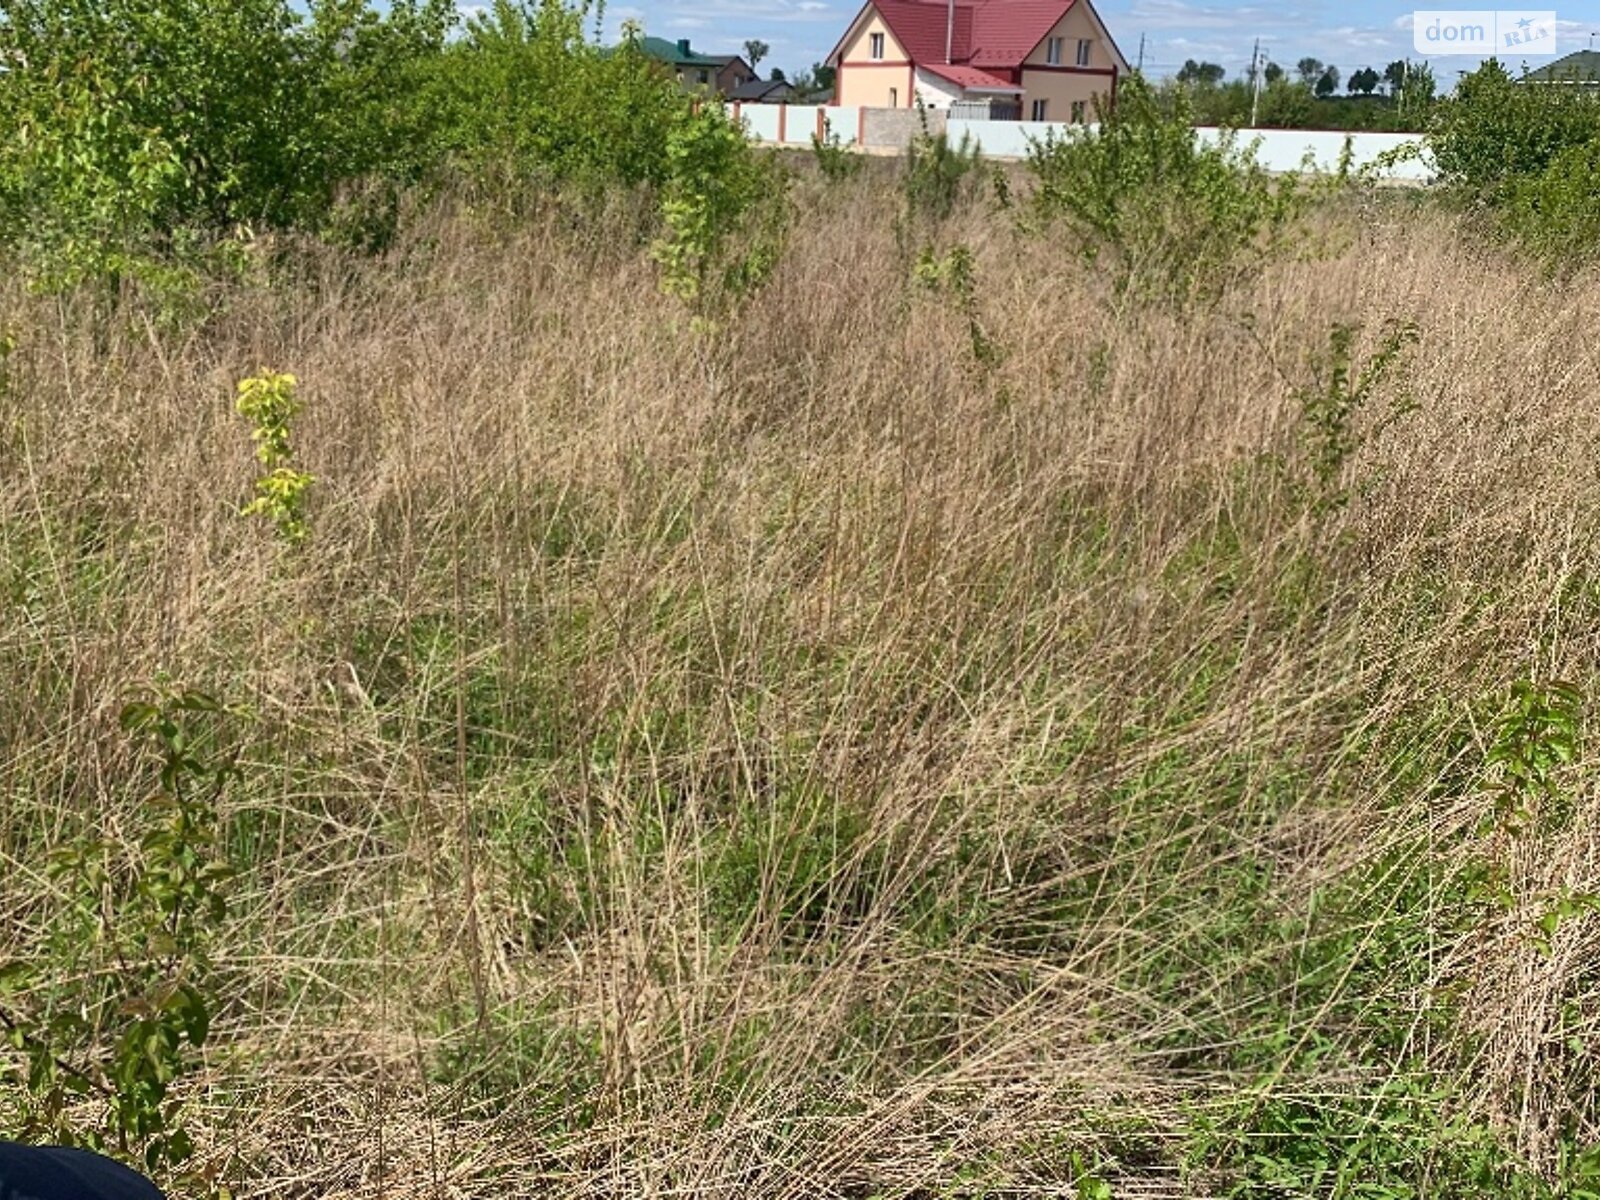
(834, 161)
(1142, 196)
(130, 120)
(938, 173)
(523, 97)
(725, 208)
(1556, 213)
(1494, 133)
(139, 925)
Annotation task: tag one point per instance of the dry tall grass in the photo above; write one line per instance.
(801, 761)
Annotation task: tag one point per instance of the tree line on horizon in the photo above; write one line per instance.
(1397, 99)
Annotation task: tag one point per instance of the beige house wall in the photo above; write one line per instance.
(1073, 27)
(868, 82)
(877, 87)
(858, 47)
(1059, 89)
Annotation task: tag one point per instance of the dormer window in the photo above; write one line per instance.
(1083, 51)
(1052, 51)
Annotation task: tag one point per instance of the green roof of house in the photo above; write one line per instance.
(680, 53)
(1581, 67)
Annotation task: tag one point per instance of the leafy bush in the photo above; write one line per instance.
(127, 118)
(1141, 194)
(1556, 213)
(725, 210)
(269, 403)
(523, 96)
(1329, 407)
(1495, 133)
(834, 161)
(1527, 155)
(122, 122)
(938, 173)
(140, 923)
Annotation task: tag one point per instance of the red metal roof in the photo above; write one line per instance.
(970, 78)
(988, 33)
(1008, 30)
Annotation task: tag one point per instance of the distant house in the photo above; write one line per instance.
(720, 73)
(765, 91)
(1045, 60)
(1580, 70)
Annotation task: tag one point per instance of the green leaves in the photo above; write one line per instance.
(834, 160)
(1529, 155)
(129, 1027)
(1142, 196)
(268, 401)
(725, 208)
(1340, 389)
(1536, 733)
(938, 173)
(955, 275)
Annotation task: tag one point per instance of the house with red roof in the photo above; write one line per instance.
(1051, 57)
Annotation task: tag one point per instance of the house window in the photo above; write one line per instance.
(705, 77)
(1078, 109)
(1039, 107)
(1052, 51)
(877, 46)
(1083, 52)
(894, 97)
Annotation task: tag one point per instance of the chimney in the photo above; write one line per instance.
(683, 48)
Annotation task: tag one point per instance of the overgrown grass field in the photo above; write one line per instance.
(808, 754)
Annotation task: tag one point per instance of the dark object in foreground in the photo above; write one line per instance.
(55, 1173)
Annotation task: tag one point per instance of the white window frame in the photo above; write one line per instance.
(1040, 107)
(1052, 52)
(1084, 51)
(875, 46)
(1080, 110)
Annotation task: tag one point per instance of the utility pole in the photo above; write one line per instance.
(1140, 67)
(1255, 82)
(950, 34)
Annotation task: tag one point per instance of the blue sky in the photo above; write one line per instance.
(1348, 33)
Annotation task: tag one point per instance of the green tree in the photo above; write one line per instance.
(755, 50)
(1416, 95)
(1394, 76)
(724, 209)
(1201, 74)
(1272, 73)
(1364, 82)
(1309, 70)
(1327, 83)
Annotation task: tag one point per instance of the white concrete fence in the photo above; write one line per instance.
(1275, 149)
